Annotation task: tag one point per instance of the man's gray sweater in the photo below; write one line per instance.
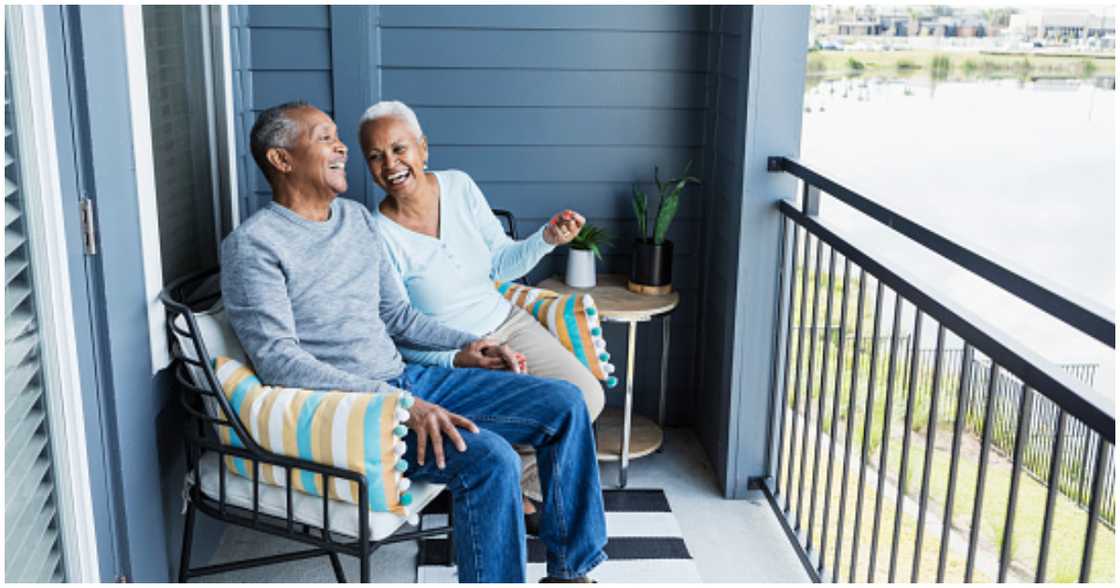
(316, 304)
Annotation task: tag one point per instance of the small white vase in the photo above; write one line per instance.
(581, 268)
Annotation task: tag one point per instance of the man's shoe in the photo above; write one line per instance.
(579, 580)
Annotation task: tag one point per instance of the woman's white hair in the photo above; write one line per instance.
(395, 109)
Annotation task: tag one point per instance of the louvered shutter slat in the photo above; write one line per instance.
(12, 241)
(17, 406)
(28, 445)
(19, 323)
(16, 352)
(39, 557)
(16, 294)
(36, 539)
(11, 213)
(13, 267)
(48, 564)
(32, 479)
(33, 550)
(32, 518)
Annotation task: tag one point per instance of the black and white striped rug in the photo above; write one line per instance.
(644, 543)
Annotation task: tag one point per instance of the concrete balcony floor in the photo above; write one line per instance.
(730, 540)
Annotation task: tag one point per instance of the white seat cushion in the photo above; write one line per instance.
(306, 508)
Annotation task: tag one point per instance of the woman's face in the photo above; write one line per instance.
(394, 155)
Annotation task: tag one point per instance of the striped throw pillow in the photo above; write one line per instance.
(573, 319)
(360, 432)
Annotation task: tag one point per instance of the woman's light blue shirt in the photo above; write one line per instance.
(451, 277)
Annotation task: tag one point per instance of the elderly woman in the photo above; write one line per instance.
(448, 249)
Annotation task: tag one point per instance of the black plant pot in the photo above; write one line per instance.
(652, 264)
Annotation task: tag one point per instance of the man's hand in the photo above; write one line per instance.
(489, 354)
(513, 360)
(471, 355)
(431, 421)
(563, 227)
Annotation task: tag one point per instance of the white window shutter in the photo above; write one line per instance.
(32, 539)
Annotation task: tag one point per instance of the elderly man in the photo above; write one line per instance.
(312, 298)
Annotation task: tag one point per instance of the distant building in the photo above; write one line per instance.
(1065, 24)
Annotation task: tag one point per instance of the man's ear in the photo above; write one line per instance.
(279, 159)
(424, 148)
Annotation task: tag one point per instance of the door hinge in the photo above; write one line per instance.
(89, 226)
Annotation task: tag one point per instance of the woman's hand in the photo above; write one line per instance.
(489, 354)
(431, 421)
(563, 227)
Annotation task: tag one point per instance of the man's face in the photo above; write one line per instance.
(317, 156)
(394, 154)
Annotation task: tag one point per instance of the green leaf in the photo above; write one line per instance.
(665, 214)
(640, 202)
(591, 238)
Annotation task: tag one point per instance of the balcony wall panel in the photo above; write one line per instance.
(647, 18)
(546, 107)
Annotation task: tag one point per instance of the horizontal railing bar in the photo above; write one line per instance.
(1072, 395)
(1087, 317)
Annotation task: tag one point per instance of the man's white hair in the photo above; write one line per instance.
(394, 109)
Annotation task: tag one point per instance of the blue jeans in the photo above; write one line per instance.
(485, 480)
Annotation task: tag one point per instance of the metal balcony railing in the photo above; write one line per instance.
(894, 462)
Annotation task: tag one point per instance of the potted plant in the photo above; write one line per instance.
(583, 250)
(652, 268)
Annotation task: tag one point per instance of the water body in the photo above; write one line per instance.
(1022, 171)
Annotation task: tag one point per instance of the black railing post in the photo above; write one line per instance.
(782, 363)
(794, 418)
(954, 458)
(1094, 514)
(1051, 497)
(907, 423)
(927, 465)
(821, 395)
(867, 422)
(982, 471)
(1025, 404)
(809, 390)
(886, 438)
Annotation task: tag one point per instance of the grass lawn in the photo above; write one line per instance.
(957, 64)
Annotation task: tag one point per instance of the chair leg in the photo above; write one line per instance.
(188, 537)
(339, 575)
(451, 532)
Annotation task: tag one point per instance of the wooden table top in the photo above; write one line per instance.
(615, 302)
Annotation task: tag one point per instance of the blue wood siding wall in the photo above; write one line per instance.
(278, 54)
(546, 107)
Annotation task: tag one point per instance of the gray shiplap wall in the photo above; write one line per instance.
(279, 54)
(546, 107)
(552, 107)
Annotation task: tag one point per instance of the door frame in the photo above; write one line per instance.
(31, 87)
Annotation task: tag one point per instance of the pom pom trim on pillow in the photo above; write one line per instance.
(573, 319)
(360, 432)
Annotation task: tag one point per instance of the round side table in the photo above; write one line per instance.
(617, 304)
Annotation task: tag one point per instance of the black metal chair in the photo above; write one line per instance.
(507, 219)
(206, 406)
